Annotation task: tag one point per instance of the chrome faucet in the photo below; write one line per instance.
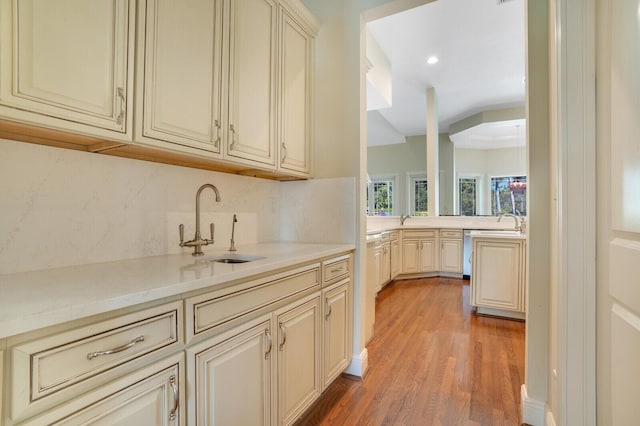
(403, 217)
(198, 241)
(520, 222)
(232, 247)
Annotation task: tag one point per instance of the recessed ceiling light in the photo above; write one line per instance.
(432, 60)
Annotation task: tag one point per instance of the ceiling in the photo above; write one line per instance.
(480, 47)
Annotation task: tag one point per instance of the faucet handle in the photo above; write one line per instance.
(212, 227)
(181, 230)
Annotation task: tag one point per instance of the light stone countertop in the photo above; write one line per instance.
(378, 224)
(38, 299)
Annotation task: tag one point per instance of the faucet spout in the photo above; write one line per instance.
(198, 241)
(232, 247)
(519, 221)
(403, 218)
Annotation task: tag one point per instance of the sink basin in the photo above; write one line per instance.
(234, 258)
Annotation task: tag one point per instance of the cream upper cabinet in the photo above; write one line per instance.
(231, 376)
(451, 251)
(498, 276)
(252, 49)
(295, 108)
(298, 352)
(68, 65)
(180, 76)
(336, 335)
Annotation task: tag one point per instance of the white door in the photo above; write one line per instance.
(619, 217)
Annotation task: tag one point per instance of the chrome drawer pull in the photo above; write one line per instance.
(176, 399)
(92, 355)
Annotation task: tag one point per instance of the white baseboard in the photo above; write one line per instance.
(550, 420)
(359, 364)
(533, 411)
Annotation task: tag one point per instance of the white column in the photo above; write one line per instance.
(433, 169)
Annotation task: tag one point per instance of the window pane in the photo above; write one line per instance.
(508, 195)
(420, 201)
(383, 198)
(468, 196)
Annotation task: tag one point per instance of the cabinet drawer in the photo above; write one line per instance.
(337, 268)
(419, 234)
(393, 235)
(451, 233)
(55, 363)
(213, 309)
(384, 237)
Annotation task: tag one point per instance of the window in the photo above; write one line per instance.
(382, 201)
(508, 195)
(468, 196)
(418, 195)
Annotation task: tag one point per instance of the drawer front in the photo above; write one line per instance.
(393, 236)
(384, 237)
(216, 308)
(419, 234)
(451, 233)
(57, 362)
(336, 268)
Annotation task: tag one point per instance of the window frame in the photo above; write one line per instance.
(411, 178)
(391, 178)
(479, 193)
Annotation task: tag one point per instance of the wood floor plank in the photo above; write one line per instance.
(432, 362)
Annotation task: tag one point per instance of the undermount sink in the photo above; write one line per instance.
(235, 258)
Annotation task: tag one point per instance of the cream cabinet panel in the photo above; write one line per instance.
(395, 258)
(498, 274)
(295, 135)
(451, 255)
(373, 256)
(69, 63)
(299, 366)
(182, 77)
(336, 336)
(428, 255)
(231, 376)
(385, 264)
(152, 396)
(411, 256)
(1, 384)
(251, 124)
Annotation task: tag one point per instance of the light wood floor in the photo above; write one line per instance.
(432, 362)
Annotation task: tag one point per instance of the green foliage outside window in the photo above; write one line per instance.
(505, 200)
(383, 198)
(420, 207)
(468, 196)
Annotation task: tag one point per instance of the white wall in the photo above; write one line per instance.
(61, 207)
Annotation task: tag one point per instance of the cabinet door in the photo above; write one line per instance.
(395, 258)
(385, 264)
(251, 130)
(295, 117)
(496, 275)
(410, 256)
(71, 60)
(152, 396)
(182, 72)
(232, 377)
(378, 261)
(372, 282)
(428, 255)
(336, 331)
(299, 367)
(451, 255)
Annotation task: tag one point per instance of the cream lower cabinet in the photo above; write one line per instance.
(68, 65)
(498, 277)
(451, 251)
(153, 395)
(230, 376)
(420, 251)
(336, 326)
(385, 263)
(395, 255)
(373, 260)
(298, 341)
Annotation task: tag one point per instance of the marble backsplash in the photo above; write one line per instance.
(61, 207)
